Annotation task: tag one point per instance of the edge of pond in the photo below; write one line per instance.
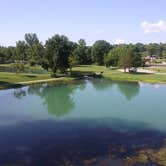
(67, 80)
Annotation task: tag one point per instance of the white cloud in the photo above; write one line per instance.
(98, 32)
(148, 27)
(119, 41)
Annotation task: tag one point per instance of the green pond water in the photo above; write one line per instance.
(57, 124)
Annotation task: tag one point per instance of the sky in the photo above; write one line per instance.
(117, 21)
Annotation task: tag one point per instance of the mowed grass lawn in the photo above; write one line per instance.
(21, 77)
(120, 76)
(8, 79)
(158, 69)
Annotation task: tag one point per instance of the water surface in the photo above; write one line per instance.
(88, 122)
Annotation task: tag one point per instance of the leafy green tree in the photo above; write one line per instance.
(162, 50)
(89, 55)
(36, 53)
(129, 57)
(58, 49)
(21, 51)
(31, 39)
(35, 48)
(81, 51)
(111, 59)
(140, 47)
(136, 58)
(18, 67)
(99, 49)
(164, 54)
(153, 49)
(73, 60)
(2, 58)
(7, 54)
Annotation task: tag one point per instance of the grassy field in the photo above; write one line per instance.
(13, 77)
(157, 69)
(27, 69)
(117, 75)
(10, 79)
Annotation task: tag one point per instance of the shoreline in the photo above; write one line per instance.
(65, 80)
(62, 80)
(128, 80)
(12, 80)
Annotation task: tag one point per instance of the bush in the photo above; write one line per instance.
(18, 67)
(32, 63)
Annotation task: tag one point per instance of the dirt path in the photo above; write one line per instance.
(41, 81)
(140, 70)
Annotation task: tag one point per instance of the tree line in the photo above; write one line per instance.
(59, 53)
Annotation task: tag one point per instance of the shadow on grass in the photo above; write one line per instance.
(30, 76)
(8, 85)
(139, 73)
(81, 74)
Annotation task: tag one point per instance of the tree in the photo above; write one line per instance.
(140, 47)
(162, 50)
(153, 49)
(7, 54)
(31, 39)
(2, 58)
(88, 54)
(111, 59)
(35, 48)
(36, 54)
(99, 49)
(58, 49)
(129, 57)
(73, 60)
(81, 52)
(164, 54)
(21, 51)
(136, 58)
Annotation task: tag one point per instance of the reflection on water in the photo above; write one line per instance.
(93, 122)
(55, 98)
(59, 99)
(19, 93)
(129, 90)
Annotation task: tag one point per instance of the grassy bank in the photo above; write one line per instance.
(158, 69)
(9, 79)
(120, 76)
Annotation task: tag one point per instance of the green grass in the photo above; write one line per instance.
(20, 77)
(27, 69)
(157, 69)
(119, 76)
(8, 79)
(11, 79)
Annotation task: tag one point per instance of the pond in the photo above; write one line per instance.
(89, 122)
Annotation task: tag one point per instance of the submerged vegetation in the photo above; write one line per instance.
(73, 131)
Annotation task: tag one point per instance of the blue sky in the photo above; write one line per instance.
(113, 20)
